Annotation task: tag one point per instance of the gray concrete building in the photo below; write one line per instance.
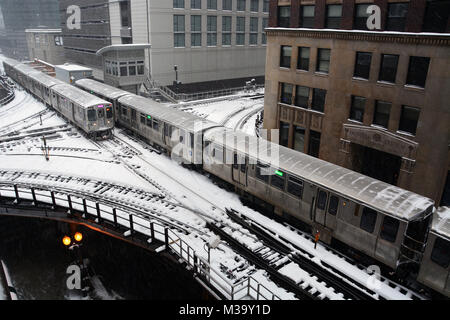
(45, 45)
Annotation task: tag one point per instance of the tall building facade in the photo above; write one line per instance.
(207, 40)
(19, 15)
(372, 101)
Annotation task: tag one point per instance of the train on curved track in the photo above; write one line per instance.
(393, 227)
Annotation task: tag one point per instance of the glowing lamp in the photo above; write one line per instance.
(100, 106)
(66, 241)
(78, 236)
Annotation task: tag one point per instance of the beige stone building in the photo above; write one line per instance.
(377, 103)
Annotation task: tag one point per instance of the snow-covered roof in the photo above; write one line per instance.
(379, 195)
(373, 32)
(167, 114)
(25, 68)
(43, 30)
(45, 80)
(72, 67)
(441, 222)
(105, 90)
(123, 47)
(79, 96)
(10, 62)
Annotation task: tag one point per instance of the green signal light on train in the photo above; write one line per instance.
(278, 172)
(149, 117)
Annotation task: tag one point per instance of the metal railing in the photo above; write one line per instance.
(164, 232)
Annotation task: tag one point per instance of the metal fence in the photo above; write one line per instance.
(136, 222)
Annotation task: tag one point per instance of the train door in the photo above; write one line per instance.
(332, 210)
(239, 168)
(165, 134)
(321, 206)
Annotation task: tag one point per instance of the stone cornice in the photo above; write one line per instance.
(431, 39)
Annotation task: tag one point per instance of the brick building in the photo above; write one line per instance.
(376, 102)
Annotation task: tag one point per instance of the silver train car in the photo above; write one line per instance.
(385, 223)
(435, 267)
(88, 112)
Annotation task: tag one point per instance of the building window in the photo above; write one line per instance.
(285, 56)
(132, 68)
(389, 229)
(253, 30)
(212, 4)
(227, 4)
(241, 5)
(123, 69)
(284, 134)
(178, 29)
(265, 22)
(284, 16)
(334, 16)
(323, 60)
(299, 139)
(362, 65)
(140, 68)
(301, 96)
(396, 16)
(408, 119)
(124, 13)
(417, 71)
(178, 4)
(196, 4)
(254, 5)
(286, 93)
(388, 69)
(436, 16)
(381, 114)
(357, 108)
(303, 58)
(440, 251)
(212, 30)
(226, 31)
(361, 16)
(240, 31)
(318, 100)
(314, 143)
(196, 31)
(307, 16)
(266, 6)
(368, 220)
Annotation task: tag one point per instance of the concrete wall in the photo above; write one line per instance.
(47, 50)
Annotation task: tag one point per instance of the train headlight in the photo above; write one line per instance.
(95, 124)
(67, 241)
(78, 236)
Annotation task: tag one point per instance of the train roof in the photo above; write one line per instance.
(101, 88)
(441, 222)
(180, 119)
(25, 68)
(45, 79)
(379, 195)
(10, 61)
(79, 96)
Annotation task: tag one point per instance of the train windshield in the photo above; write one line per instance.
(109, 113)
(92, 115)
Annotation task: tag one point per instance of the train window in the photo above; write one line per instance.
(155, 124)
(133, 114)
(440, 252)
(389, 229)
(101, 113)
(218, 154)
(321, 200)
(295, 187)
(235, 161)
(92, 116)
(333, 206)
(192, 141)
(142, 118)
(278, 179)
(109, 113)
(124, 110)
(368, 219)
(181, 136)
(149, 122)
(261, 172)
